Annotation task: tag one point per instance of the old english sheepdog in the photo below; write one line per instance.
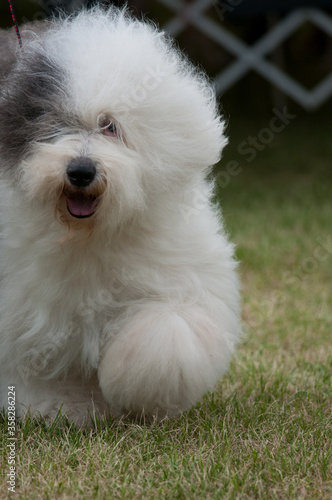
(119, 291)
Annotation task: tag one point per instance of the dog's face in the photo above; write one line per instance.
(99, 116)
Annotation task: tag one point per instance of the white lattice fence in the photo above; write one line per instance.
(253, 57)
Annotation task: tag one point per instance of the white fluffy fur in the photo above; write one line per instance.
(137, 308)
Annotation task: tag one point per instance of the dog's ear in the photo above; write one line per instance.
(9, 46)
(8, 50)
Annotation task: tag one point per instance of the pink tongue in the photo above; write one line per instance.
(81, 206)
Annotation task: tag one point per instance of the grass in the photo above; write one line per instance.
(266, 432)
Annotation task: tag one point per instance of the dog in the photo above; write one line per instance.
(119, 291)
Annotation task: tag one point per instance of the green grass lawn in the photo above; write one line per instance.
(266, 430)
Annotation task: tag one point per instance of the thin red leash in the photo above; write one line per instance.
(15, 23)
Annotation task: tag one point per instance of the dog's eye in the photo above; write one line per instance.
(110, 130)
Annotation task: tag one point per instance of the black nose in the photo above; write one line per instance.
(81, 172)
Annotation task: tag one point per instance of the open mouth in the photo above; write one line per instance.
(81, 206)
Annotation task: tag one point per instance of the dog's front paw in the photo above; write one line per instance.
(77, 399)
(162, 362)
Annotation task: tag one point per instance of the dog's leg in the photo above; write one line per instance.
(78, 399)
(164, 359)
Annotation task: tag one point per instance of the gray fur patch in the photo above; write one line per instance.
(8, 49)
(30, 105)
